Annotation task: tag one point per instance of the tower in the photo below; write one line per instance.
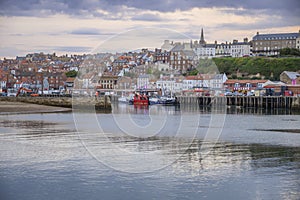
(202, 41)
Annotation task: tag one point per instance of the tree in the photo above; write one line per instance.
(71, 73)
(289, 52)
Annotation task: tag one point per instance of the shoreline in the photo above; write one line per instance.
(11, 108)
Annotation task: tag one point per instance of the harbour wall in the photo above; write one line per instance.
(99, 103)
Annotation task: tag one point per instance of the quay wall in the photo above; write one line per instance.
(268, 102)
(100, 103)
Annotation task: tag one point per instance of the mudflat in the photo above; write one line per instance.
(7, 107)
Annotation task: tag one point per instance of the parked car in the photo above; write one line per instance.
(3, 94)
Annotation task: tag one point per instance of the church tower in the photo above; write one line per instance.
(202, 41)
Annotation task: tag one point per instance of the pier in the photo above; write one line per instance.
(267, 102)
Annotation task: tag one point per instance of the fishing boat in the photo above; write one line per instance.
(123, 99)
(154, 100)
(140, 99)
(169, 100)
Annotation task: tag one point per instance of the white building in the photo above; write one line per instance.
(191, 82)
(240, 49)
(143, 81)
(214, 81)
(218, 81)
(205, 51)
(223, 50)
(169, 84)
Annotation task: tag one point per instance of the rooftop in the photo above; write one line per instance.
(277, 36)
(291, 75)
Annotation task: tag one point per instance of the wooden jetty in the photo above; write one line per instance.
(268, 102)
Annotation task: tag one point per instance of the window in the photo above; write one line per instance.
(259, 85)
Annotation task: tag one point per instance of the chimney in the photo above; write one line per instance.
(216, 42)
(245, 40)
(257, 33)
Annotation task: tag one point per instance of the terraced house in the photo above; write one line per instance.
(270, 44)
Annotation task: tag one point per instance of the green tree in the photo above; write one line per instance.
(71, 73)
(289, 52)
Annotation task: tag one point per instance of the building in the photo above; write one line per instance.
(291, 78)
(182, 57)
(107, 81)
(240, 49)
(191, 82)
(270, 44)
(204, 50)
(298, 42)
(169, 84)
(143, 81)
(244, 85)
(161, 56)
(167, 46)
(217, 81)
(223, 50)
(124, 83)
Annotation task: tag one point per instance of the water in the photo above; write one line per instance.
(49, 156)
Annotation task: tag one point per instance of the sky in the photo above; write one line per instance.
(91, 26)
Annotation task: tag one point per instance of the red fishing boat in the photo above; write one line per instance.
(140, 99)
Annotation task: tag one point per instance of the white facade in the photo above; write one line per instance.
(218, 81)
(214, 81)
(170, 84)
(165, 85)
(240, 49)
(192, 82)
(223, 50)
(143, 81)
(206, 51)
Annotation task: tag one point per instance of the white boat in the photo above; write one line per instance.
(169, 100)
(154, 100)
(123, 99)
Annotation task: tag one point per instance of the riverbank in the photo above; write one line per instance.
(7, 107)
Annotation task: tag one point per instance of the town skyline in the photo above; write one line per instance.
(81, 28)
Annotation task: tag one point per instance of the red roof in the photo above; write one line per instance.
(193, 78)
(233, 81)
(70, 79)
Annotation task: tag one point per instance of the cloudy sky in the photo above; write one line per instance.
(77, 26)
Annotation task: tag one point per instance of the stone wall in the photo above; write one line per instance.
(100, 103)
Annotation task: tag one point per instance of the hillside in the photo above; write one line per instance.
(252, 67)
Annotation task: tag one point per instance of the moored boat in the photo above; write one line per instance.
(123, 99)
(154, 100)
(169, 100)
(140, 99)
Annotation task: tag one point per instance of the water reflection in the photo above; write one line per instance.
(42, 157)
(194, 108)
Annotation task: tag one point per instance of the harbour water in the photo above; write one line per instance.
(151, 153)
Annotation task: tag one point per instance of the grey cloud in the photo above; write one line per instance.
(85, 31)
(75, 7)
(90, 32)
(147, 17)
(78, 49)
(287, 11)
